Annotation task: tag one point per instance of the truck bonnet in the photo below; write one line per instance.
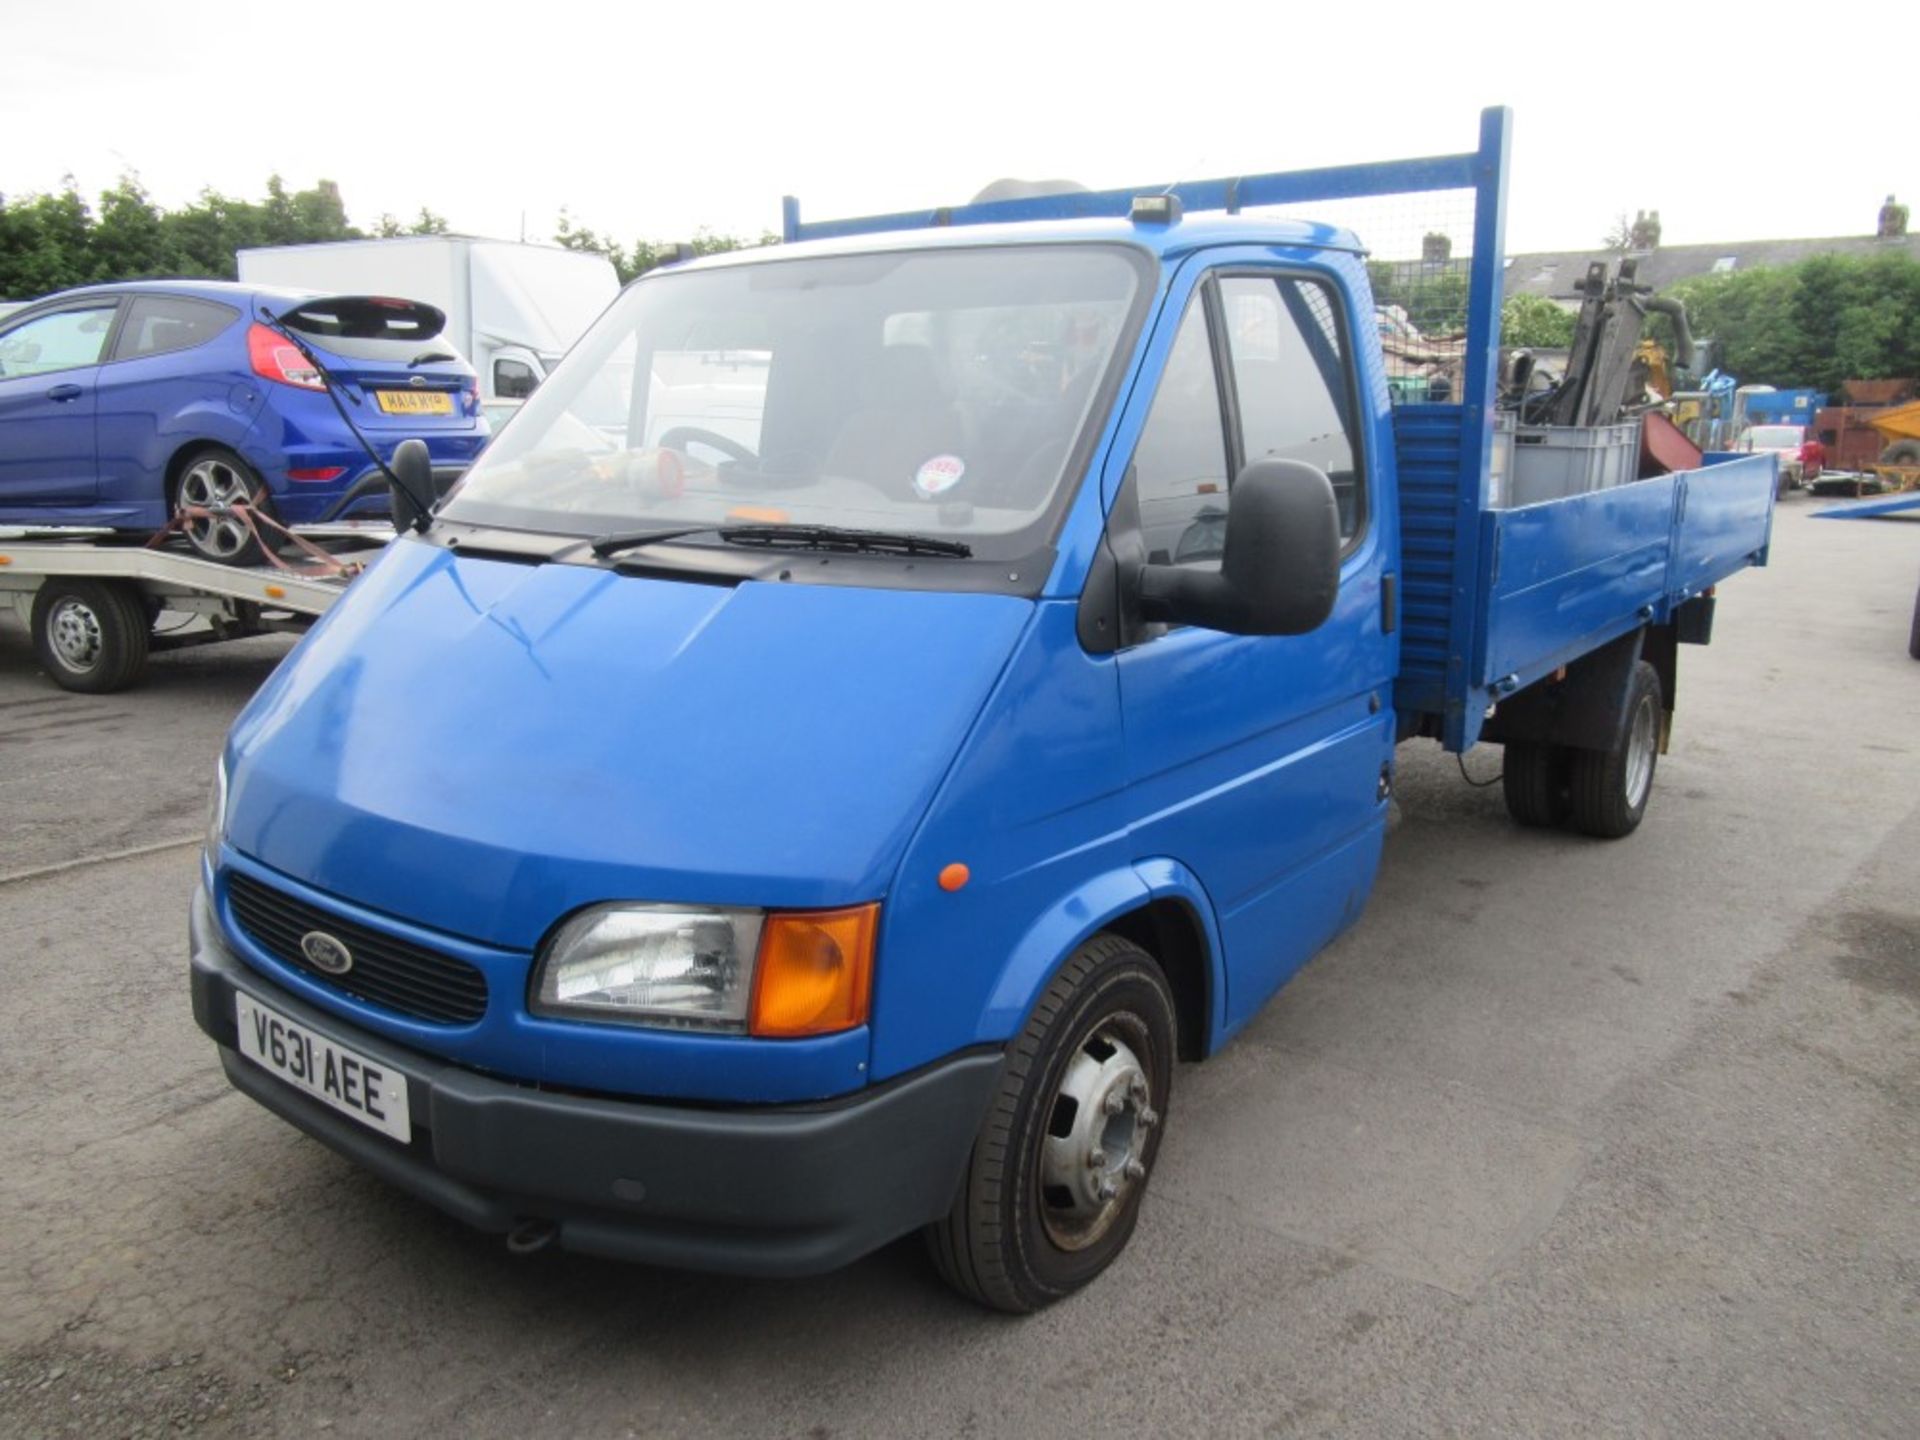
(482, 747)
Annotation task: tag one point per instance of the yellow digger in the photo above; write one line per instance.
(1899, 465)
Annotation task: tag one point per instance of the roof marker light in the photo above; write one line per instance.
(1155, 209)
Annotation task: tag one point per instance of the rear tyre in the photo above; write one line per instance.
(1913, 635)
(1901, 452)
(1609, 789)
(90, 635)
(1053, 1188)
(214, 480)
(1534, 779)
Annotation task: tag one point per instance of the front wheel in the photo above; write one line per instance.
(1053, 1190)
(1609, 789)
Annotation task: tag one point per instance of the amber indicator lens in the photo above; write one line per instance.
(815, 972)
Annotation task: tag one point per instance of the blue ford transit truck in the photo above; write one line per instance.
(891, 694)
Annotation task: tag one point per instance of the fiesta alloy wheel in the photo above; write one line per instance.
(215, 480)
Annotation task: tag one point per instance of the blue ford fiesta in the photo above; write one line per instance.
(120, 405)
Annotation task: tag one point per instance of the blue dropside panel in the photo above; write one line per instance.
(1724, 522)
(1427, 450)
(1570, 575)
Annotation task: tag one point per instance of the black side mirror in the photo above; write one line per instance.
(1281, 568)
(410, 486)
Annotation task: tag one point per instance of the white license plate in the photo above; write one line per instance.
(352, 1084)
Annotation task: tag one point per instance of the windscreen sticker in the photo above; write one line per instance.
(939, 475)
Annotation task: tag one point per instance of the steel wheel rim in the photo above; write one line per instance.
(1640, 748)
(1100, 1121)
(73, 632)
(215, 485)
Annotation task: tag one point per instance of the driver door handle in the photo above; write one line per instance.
(65, 392)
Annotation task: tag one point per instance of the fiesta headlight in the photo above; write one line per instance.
(652, 965)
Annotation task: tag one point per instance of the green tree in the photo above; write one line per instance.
(127, 241)
(44, 244)
(1819, 323)
(202, 237)
(1535, 322)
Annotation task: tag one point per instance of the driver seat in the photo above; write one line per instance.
(903, 420)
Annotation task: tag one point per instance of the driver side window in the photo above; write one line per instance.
(1180, 464)
(64, 340)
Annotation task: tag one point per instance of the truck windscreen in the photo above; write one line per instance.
(938, 392)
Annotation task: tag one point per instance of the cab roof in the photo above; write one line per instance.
(1192, 232)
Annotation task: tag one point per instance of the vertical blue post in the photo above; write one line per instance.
(1479, 392)
(789, 218)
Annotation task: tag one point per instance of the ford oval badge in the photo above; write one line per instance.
(323, 952)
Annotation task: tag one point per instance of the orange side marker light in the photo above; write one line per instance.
(954, 876)
(276, 592)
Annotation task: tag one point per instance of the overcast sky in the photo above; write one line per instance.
(648, 121)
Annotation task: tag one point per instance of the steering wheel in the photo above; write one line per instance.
(681, 436)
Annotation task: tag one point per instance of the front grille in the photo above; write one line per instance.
(386, 970)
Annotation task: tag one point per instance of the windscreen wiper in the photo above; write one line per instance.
(796, 537)
(837, 537)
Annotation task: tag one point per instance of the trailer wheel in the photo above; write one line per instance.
(90, 635)
(1053, 1189)
(1610, 788)
(1534, 779)
(1901, 452)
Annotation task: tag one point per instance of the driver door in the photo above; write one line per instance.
(49, 380)
(1260, 762)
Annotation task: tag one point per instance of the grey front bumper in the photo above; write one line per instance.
(776, 1190)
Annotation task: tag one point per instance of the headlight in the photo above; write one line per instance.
(658, 965)
(217, 809)
(787, 974)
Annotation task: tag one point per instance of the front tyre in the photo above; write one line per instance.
(1053, 1189)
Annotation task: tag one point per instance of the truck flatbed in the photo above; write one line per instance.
(1557, 580)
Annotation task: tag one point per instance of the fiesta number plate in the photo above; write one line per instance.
(414, 402)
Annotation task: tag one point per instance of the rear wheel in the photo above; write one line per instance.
(1609, 789)
(1053, 1189)
(90, 635)
(1534, 779)
(1901, 452)
(214, 481)
(1913, 635)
